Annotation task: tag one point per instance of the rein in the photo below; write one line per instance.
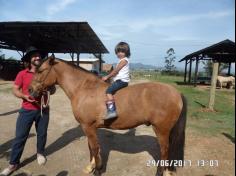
(42, 103)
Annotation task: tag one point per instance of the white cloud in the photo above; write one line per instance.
(175, 20)
(116, 29)
(58, 6)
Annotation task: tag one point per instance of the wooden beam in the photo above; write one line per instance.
(190, 71)
(229, 69)
(196, 71)
(72, 55)
(77, 62)
(20, 53)
(185, 71)
(100, 62)
(213, 85)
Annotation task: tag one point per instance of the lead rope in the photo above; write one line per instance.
(43, 104)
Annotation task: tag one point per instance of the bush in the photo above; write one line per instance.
(173, 73)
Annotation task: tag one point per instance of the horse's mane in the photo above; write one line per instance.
(75, 66)
(96, 77)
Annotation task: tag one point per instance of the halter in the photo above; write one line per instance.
(42, 82)
(42, 103)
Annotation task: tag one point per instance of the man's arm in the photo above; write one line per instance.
(18, 93)
(116, 70)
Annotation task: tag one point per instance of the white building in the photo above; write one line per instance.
(89, 63)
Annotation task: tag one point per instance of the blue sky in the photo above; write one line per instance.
(151, 27)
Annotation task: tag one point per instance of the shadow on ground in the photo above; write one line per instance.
(126, 143)
(62, 173)
(9, 113)
(231, 138)
(201, 104)
(66, 138)
(5, 148)
(109, 141)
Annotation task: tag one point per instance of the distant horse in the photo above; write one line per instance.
(225, 80)
(156, 104)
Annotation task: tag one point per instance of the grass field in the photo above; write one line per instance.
(222, 121)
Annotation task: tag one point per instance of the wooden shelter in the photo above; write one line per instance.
(52, 37)
(222, 52)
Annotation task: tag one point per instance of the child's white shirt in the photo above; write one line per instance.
(123, 74)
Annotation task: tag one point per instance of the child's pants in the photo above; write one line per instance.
(115, 86)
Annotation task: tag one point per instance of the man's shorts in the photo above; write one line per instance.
(115, 86)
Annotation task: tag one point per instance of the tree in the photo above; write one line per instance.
(209, 68)
(169, 60)
(222, 67)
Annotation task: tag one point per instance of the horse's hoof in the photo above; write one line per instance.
(99, 167)
(169, 173)
(99, 164)
(159, 173)
(89, 169)
(96, 173)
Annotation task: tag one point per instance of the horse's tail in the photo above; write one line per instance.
(177, 138)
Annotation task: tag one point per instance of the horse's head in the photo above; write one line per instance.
(44, 78)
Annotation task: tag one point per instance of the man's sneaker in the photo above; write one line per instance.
(9, 170)
(41, 159)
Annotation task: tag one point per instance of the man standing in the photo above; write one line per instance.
(29, 113)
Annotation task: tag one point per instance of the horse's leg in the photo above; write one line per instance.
(90, 152)
(163, 139)
(99, 165)
(94, 148)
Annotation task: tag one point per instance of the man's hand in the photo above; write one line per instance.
(27, 98)
(18, 93)
(105, 78)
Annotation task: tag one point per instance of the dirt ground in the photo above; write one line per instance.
(125, 153)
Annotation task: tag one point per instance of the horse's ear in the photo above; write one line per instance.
(52, 59)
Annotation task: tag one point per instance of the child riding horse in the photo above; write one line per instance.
(121, 78)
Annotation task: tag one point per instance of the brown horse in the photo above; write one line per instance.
(156, 104)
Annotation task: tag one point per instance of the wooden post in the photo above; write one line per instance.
(219, 68)
(196, 71)
(72, 57)
(78, 54)
(100, 62)
(185, 70)
(229, 69)
(190, 71)
(213, 85)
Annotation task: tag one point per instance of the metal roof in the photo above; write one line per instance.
(53, 37)
(223, 51)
